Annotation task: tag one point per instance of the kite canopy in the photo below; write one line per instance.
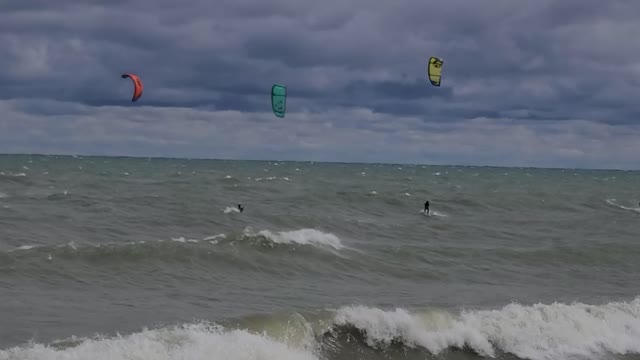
(434, 69)
(279, 100)
(137, 85)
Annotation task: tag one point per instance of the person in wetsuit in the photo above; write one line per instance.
(426, 207)
(240, 207)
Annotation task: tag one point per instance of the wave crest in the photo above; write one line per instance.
(311, 237)
(196, 341)
(537, 332)
(555, 331)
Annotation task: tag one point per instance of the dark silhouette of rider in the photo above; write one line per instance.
(426, 207)
(240, 207)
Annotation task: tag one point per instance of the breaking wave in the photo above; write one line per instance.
(537, 332)
(231, 249)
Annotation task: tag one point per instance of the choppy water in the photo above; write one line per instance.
(118, 258)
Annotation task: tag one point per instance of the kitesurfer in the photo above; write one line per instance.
(240, 207)
(426, 207)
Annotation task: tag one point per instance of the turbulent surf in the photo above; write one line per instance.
(121, 258)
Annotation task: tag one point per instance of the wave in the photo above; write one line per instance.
(433, 213)
(555, 331)
(613, 202)
(311, 237)
(194, 341)
(15, 178)
(271, 178)
(178, 249)
(12, 174)
(536, 332)
(230, 209)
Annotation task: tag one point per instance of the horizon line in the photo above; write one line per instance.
(313, 161)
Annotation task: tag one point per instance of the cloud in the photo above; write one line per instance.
(329, 136)
(355, 72)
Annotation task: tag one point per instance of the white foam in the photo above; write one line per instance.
(433, 213)
(231, 210)
(302, 237)
(23, 248)
(193, 342)
(215, 238)
(383, 327)
(538, 332)
(182, 239)
(612, 202)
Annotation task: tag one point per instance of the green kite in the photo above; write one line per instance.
(279, 100)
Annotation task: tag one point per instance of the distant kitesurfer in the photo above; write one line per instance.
(426, 207)
(240, 207)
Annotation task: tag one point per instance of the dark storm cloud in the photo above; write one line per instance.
(546, 60)
(76, 50)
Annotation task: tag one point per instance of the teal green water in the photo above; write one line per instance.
(512, 262)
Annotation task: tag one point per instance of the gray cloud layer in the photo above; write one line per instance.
(559, 74)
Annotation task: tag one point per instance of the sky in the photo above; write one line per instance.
(542, 83)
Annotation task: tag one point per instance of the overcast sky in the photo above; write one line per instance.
(525, 83)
